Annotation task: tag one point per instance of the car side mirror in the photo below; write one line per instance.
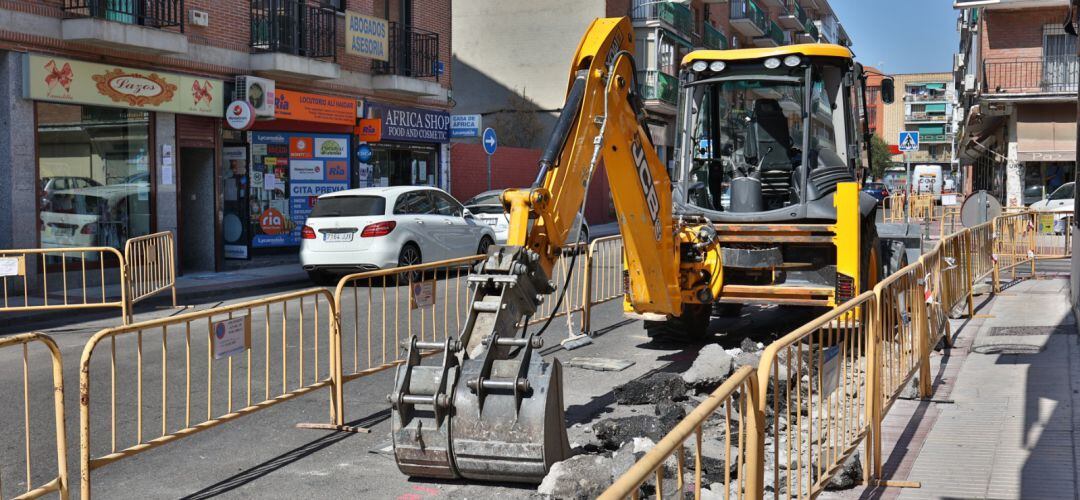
(467, 214)
(888, 90)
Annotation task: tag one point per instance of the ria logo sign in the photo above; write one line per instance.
(240, 115)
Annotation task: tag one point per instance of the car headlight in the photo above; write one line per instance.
(717, 66)
(699, 66)
(772, 63)
(792, 61)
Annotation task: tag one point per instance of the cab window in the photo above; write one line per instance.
(446, 206)
(414, 203)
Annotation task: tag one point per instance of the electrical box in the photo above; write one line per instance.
(200, 18)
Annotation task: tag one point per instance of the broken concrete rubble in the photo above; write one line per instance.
(650, 389)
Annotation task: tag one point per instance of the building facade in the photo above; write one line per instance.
(1017, 70)
(924, 104)
(118, 118)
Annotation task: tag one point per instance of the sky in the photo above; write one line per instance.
(901, 36)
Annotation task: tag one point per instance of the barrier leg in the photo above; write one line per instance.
(873, 388)
(969, 283)
(755, 438)
(922, 329)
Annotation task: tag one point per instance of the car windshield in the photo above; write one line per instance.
(485, 203)
(77, 204)
(349, 206)
(1063, 193)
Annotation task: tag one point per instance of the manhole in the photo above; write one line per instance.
(1025, 331)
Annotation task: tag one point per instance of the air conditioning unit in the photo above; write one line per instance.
(259, 93)
(958, 60)
(969, 83)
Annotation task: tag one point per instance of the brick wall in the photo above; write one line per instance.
(1016, 33)
(516, 167)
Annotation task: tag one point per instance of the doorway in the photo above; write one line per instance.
(197, 209)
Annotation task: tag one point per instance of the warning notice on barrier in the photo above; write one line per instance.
(830, 370)
(422, 294)
(949, 200)
(231, 336)
(11, 266)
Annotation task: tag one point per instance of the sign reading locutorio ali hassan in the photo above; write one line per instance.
(63, 80)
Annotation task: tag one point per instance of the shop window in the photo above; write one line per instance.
(93, 175)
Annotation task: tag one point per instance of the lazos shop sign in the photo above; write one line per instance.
(411, 124)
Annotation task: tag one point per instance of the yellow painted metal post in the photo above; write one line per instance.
(969, 257)
(922, 330)
(1032, 228)
(873, 389)
(586, 293)
(755, 435)
(846, 230)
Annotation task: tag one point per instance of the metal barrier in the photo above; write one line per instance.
(574, 300)
(151, 266)
(63, 278)
(1053, 234)
(895, 207)
(293, 336)
(819, 383)
(58, 483)
(604, 276)
(379, 310)
(735, 401)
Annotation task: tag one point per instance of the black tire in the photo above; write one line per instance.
(485, 242)
(322, 278)
(727, 310)
(692, 324)
(409, 256)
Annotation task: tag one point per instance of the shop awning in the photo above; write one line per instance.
(1046, 133)
(935, 86)
(931, 129)
(935, 108)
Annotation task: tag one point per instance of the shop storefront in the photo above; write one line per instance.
(272, 181)
(100, 165)
(403, 146)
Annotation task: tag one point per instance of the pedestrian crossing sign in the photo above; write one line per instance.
(909, 141)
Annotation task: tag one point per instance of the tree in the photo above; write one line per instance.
(880, 156)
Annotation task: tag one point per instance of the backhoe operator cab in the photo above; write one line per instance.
(766, 136)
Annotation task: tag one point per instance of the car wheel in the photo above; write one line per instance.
(409, 256)
(485, 242)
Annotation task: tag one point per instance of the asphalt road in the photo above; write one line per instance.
(264, 454)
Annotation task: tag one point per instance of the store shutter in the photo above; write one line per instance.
(196, 131)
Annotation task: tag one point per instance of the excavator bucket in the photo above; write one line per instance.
(493, 409)
(509, 423)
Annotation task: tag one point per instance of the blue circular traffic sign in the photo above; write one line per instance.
(363, 153)
(491, 143)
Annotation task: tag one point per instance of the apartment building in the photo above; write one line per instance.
(924, 104)
(117, 118)
(522, 61)
(1017, 72)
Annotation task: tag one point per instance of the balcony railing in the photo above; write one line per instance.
(293, 27)
(413, 52)
(677, 16)
(800, 13)
(656, 85)
(925, 117)
(811, 30)
(748, 9)
(1031, 75)
(933, 97)
(151, 13)
(714, 38)
(777, 34)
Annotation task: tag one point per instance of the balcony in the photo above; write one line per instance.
(923, 117)
(714, 38)
(147, 26)
(289, 38)
(659, 88)
(747, 18)
(413, 54)
(792, 16)
(678, 18)
(775, 37)
(809, 34)
(1037, 75)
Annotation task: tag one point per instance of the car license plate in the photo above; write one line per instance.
(337, 237)
(491, 221)
(63, 231)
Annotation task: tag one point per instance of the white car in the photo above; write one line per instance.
(365, 229)
(95, 216)
(489, 209)
(1061, 202)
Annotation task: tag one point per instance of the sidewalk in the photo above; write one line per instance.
(1003, 419)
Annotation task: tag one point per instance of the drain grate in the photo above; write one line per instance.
(1025, 331)
(1007, 349)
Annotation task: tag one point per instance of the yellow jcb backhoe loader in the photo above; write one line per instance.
(765, 207)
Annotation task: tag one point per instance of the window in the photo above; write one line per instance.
(349, 206)
(444, 205)
(414, 203)
(1063, 193)
(338, 5)
(93, 175)
(1060, 63)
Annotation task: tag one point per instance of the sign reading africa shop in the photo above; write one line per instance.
(293, 105)
(296, 168)
(411, 124)
(69, 81)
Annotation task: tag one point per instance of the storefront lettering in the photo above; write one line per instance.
(314, 189)
(406, 124)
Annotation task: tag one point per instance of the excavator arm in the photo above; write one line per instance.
(492, 409)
